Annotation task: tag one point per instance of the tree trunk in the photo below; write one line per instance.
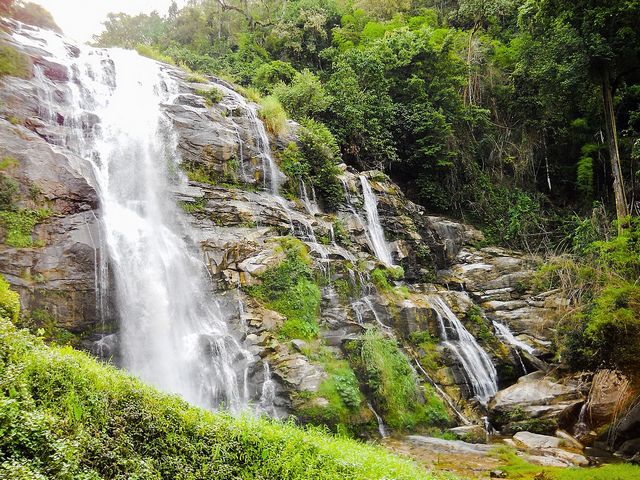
(612, 139)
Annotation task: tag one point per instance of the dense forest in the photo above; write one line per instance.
(515, 115)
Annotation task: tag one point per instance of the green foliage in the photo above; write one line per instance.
(393, 385)
(322, 155)
(150, 52)
(304, 97)
(600, 325)
(194, 207)
(480, 330)
(381, 277)
(270, 74)
(9, 303)
(8, 190)
(14, 63)
(290, 289)
(196, 78)
(64, 415)
(211, 95)
(340, 390)
(19, 224)
(273, 115)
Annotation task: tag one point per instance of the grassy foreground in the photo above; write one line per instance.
(63, 415)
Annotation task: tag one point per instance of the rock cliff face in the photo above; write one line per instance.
(240, 220)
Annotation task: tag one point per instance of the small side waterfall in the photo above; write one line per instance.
(476, 363)
(268, 392)
(382, 428)
(172, 333)
(507, 336)
(376, 234)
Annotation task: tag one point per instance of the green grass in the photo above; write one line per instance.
(196, 78)
(518, 468)
(63, 415)
(273, 115)
(150, 52)
(19, 224)
(14, 63)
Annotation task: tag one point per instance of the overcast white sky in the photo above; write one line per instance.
(80, 19)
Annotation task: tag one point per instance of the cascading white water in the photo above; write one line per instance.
(268, 392)
(382, 428)
(172, 332)
(376, 234)
(507, 336)
(475, 361)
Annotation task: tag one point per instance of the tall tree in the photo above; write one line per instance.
(610, 31)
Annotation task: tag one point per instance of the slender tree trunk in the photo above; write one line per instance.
(622, 210)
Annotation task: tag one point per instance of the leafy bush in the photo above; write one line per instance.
(322, 155)
(211, 96)
(340, 390)
(305, 97)
(601, 324)
(290, 289)
(14, 63)
(268, 75)
(273, 115)
(64, 415)
(8, 189)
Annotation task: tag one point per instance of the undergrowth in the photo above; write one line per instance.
(600, 326)
(393, 384)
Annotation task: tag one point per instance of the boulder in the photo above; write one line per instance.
(533, 441)
(535, 402)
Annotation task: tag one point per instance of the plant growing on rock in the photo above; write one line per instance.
(290, 289)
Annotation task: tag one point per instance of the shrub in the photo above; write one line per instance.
(19, 225)
(14, 63)
(211, 96)
(268, 75)
(9, 302)
(322, 154)
(273, 115)
(305, 97)
(290, 289)
(8, 189)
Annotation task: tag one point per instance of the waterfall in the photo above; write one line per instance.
(476, 363)
(506, 334)
(268, 392)
(172, 333)
(382, 428)
(376, 234)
